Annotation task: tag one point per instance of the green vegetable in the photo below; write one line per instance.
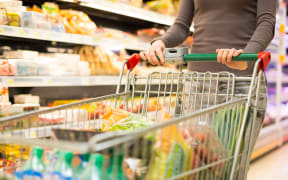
(131, 123)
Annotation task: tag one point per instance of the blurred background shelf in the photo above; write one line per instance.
(67, 38)
(46, 81)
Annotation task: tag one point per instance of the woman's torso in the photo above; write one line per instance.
(222, 24)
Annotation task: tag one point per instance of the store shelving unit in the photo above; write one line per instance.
(66, 38)
(275, 134)
(97, 10)
(126, 10)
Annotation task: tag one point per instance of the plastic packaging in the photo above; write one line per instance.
(35, 20)
(24, 67)
(115, 170)
(171, 153)
(95, 169)
(21, 54)
(63, 168)
(12, 11)
(34, 167)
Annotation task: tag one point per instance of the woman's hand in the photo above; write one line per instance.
(225, 57)
(156, 49)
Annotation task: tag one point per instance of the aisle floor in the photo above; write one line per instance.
(273, 166)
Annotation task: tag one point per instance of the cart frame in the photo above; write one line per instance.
(108, 140)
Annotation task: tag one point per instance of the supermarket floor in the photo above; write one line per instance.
(273, 166)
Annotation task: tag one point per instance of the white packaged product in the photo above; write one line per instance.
(21, 54)
(35, 20)
(24, 67)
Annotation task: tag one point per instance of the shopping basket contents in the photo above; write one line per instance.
(194, 125)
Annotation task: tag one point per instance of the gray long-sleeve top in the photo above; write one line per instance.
(240, 24)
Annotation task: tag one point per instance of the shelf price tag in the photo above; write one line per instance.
(1, 30)
(36, 34)
(21, 32)
(33, 134)
(49, 81)
(10, 82)
(97, 39)
(86, 82)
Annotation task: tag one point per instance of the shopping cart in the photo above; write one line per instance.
(200, 123)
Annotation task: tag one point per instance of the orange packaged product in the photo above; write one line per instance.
(77, 22)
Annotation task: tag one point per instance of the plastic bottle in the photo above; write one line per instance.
(84, 163)
(115, 170)
(63, 168)
(95, 169)
(34, 167)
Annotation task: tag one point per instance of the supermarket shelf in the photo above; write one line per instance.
(46, 81)
(97, 39)
(127, 10)
(270, 138)
(62, 81)
(284, 82)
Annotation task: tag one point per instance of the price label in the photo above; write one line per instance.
(282, 59)
(86, 82)
(21, 32)
(33, 134)
(49, 81)
(97, 39)
(10, 82)
(1, 30)
(36, 34)
(125, 42)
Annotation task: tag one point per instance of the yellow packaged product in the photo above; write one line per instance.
(172, 155)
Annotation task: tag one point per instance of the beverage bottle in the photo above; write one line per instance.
(84, 163)
(63, 168)
(115, 170)
(34, 167)
(95, 169)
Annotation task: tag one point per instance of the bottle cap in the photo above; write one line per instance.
(68, 156)
(38, 152)
(98, 159)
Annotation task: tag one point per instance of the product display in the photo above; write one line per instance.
(61, 60)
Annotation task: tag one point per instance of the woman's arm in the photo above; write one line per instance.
(175, 35)
(262, 36)
(178, 33)
(266, 11)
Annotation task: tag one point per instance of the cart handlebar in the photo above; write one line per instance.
(213, 57)
(174, 56)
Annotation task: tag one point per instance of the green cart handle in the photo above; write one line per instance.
(264, 56)
(213, 57)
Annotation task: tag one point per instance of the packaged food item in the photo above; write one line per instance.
(171, 153)
(11, 12)
(26, 99)
(161, 6)
(69, 115)
(4, 97)
(35, 20)
(149, 34)
(24, 67)
(208, 148)
(119, 120)
(21, 54)
(77, 22)
(34, 167)
(51, 10)
(101, 61)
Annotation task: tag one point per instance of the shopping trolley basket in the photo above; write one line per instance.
(196, 125)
